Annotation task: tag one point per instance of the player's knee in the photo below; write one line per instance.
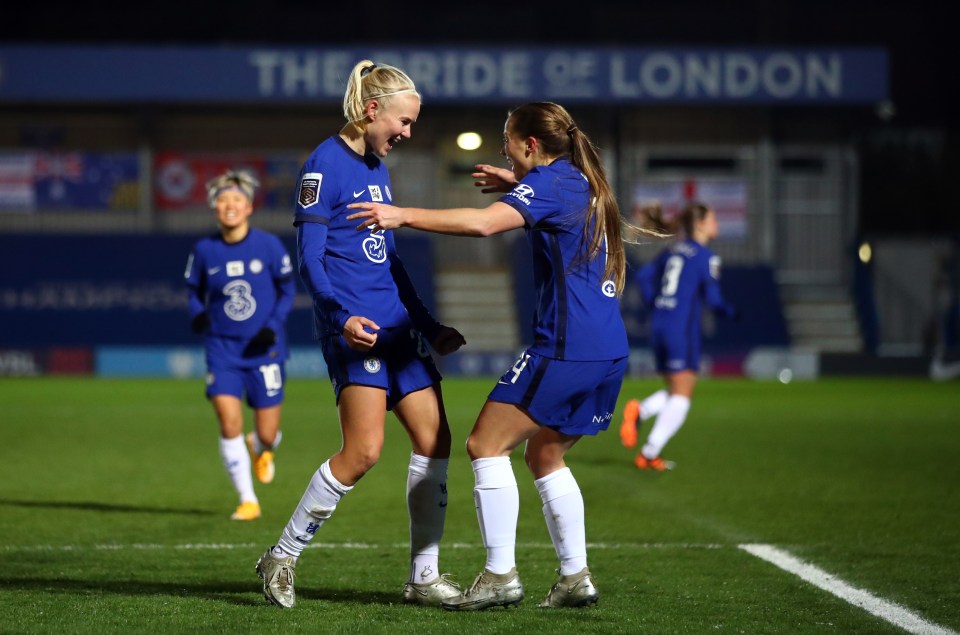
(478, 448)
(360, 460)
(533, 459)
(475, 449)
(542, 460)
(366, 460)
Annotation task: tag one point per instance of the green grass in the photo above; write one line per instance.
(105, 484)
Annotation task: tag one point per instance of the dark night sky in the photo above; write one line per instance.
(917, 36)
(915, 33)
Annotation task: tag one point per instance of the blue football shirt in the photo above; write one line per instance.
(243, 287)
(578, 312)
(346, 271)
(677, 282)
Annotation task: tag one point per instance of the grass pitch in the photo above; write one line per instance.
(114, 514)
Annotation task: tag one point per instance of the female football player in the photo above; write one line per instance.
(566, 384)
(373, 330)
(673, 286)
(241, 291)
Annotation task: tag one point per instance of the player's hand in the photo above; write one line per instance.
(200, 323)
(377, 216)
(447, 340)
(493, 179)
(265, 338)
(357, 335)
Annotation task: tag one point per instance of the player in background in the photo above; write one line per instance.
(566, 384)
(241, 290)
(674, 286)
(373, 330)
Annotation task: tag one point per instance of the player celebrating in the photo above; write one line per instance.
(241, 291)
(373, 330)
(673, 286)
(566, 384)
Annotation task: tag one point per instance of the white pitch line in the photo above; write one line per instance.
(884, 609)
(603, 546)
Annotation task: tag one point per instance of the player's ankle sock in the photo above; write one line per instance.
(236, 460)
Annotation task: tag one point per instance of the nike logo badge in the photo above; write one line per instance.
(273, 393)
(212, 270)
(356, 194)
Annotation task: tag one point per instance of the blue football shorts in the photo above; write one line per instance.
(399, 362)
(675, 351)
(263, 384)
(572, 397)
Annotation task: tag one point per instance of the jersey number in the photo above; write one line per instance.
(272, 378)
(518, 367)
(671, 276)
(422, 350)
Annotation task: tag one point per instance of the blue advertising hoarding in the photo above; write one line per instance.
(61, 290)
(756, 76)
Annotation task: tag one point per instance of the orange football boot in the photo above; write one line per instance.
(628, 428)
(657, 464)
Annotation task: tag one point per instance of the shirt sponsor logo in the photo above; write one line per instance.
(285, 265)
(523, 192)
(309, 193)
(665, 303)
(609, 289)
(375, 247)
(240, 304)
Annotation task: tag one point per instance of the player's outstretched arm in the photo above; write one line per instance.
(498, 217)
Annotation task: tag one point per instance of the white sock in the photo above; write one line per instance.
(498, 506)
(652, 405)
(237, 461)
(258, 446)
(563, 511)
(669, 421)
(427, 506)
(316, 505)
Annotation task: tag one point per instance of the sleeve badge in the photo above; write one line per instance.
(309, 193)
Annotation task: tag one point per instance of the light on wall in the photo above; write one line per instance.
(468, 141)
(865, 253)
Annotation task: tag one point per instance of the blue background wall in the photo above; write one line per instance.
(89, 290)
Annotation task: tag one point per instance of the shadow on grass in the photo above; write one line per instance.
(229, 592)
(106, 507)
